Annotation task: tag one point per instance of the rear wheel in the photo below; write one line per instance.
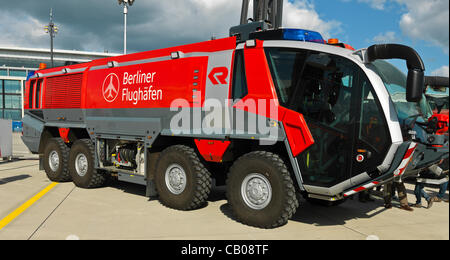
(181, 179)
(56, 157)
(82, 167)
(260, 190)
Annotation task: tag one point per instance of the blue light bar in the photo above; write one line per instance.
(30, 74)
(302, 35)
(288, 34)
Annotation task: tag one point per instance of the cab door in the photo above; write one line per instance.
(372, 137)
(346, 120)
(327, 97)
(342, 112)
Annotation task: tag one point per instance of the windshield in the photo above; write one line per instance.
(395, 82)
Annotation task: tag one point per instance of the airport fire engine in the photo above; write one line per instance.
(271, 112)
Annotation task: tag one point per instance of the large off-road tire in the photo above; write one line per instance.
(56, 157)
(82, 165)
(260, 190)
(181, 179)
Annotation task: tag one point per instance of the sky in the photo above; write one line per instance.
(97, 25)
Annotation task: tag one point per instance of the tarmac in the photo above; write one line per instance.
(121, 211)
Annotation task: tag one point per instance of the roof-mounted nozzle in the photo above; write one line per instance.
(267, 14)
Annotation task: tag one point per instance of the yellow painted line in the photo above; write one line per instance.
(25, 206)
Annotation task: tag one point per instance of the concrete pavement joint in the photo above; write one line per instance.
(34, 232)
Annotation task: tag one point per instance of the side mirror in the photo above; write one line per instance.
(414, 85)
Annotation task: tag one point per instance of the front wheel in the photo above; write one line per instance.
(260, 190)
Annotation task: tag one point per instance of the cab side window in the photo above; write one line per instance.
(37, 102)
(327, 83)
(30, 94)
(239, 89)
(372, 128)
(286, 66)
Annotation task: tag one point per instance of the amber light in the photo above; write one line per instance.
(333, 41)
(42, 66)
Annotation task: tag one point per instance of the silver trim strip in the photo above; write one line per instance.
(162, 58)
(57, 73)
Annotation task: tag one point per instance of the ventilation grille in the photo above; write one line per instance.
(63, 91)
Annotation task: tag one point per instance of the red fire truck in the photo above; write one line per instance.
(270, 112)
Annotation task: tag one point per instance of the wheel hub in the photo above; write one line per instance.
(256, 191)
(175, 179)
(53, 161)
(81, 164)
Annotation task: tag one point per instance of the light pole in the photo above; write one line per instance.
(52, 30)
(125, 4)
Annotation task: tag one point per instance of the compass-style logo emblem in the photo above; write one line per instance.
(111, 87)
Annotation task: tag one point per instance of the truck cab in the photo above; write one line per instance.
(356, 111)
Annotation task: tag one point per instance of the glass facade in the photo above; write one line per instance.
(15, 66)
(12, 87)
(11, 93)
(11, 99)
(17, 73)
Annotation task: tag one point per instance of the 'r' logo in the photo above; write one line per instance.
(219, 75)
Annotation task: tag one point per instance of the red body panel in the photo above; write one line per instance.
(154, 79)
(168, 81)
(212, 150)
(297, 131)
(261, 88)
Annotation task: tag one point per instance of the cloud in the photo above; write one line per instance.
(427, 20)
(152, 24)
(376, 4)
(387, 37)
(442, 71)
(19, 28)
(302, 14)
(420, 20)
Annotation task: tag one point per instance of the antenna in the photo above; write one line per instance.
(267, 14)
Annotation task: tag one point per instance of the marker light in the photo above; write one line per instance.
(333, 41)
(177, 55)
(250, 43)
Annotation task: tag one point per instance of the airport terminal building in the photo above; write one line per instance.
(16, 63)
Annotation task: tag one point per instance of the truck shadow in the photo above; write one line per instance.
(126, 187)
(217, 193)
(307, 213)
(320, 215)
